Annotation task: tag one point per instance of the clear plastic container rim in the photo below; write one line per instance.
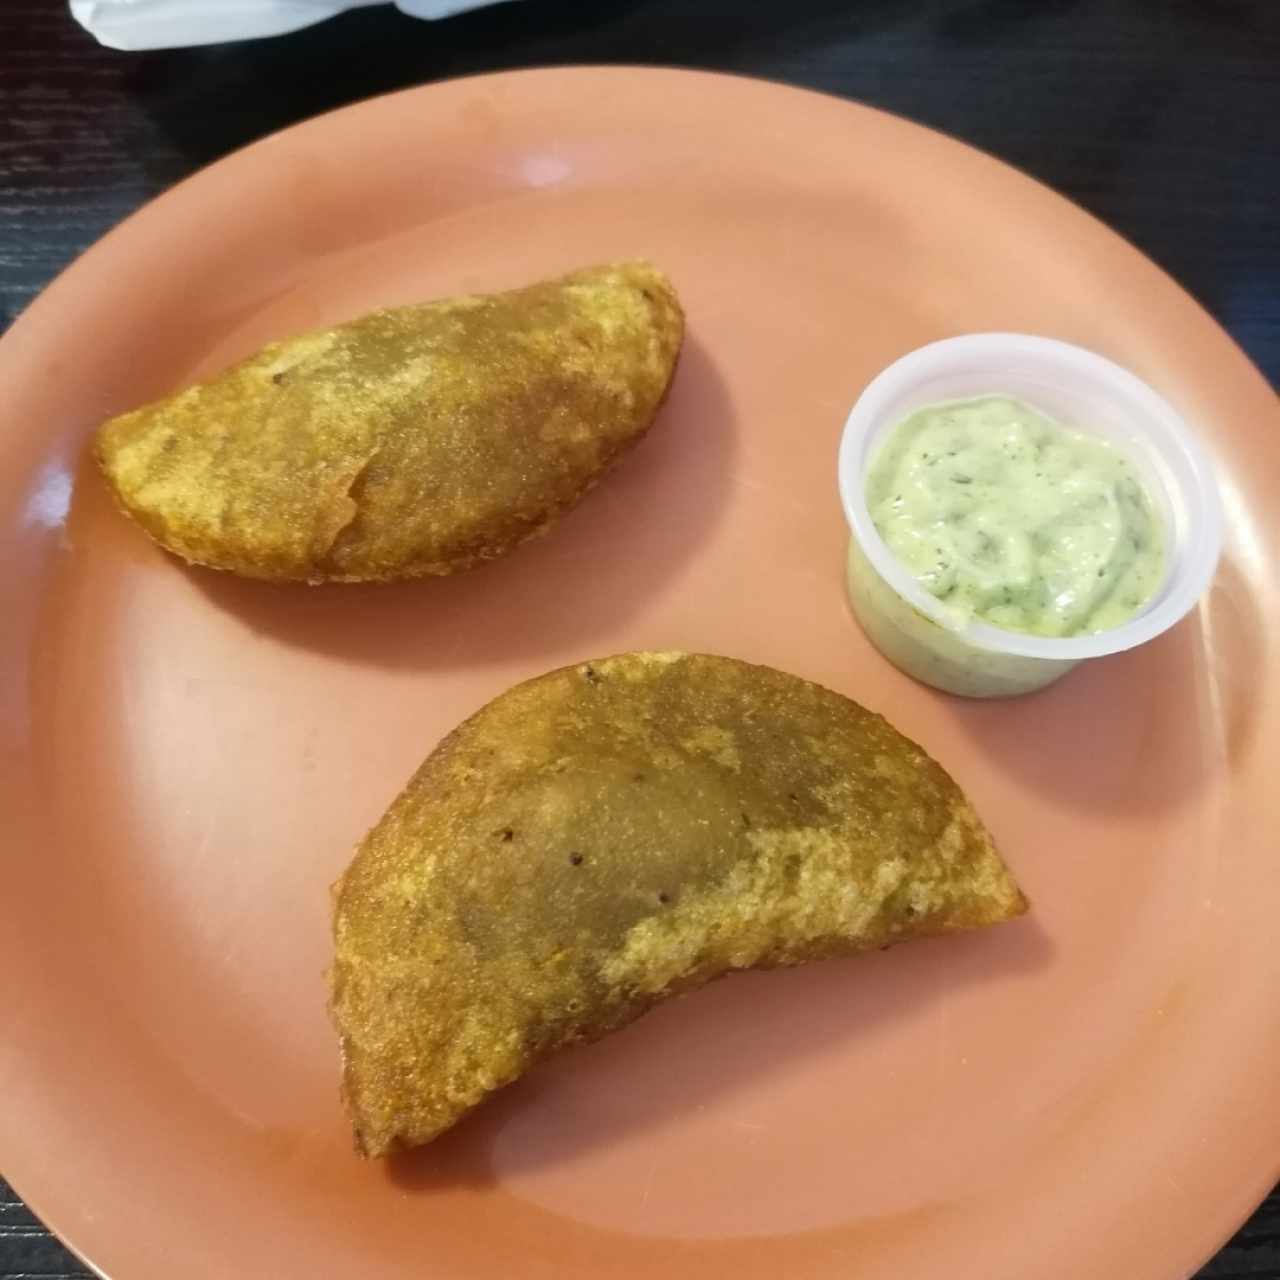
(1193, 557)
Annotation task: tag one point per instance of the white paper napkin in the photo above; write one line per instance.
(166, 24)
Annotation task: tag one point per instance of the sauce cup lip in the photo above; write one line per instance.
(1192, 560)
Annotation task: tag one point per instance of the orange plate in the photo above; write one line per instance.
(189, 759)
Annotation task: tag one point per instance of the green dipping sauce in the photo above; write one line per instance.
(1008, 517)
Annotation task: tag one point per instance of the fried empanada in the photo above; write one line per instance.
(417, 440)
(611, 834)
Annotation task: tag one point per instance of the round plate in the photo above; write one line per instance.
(190, 758)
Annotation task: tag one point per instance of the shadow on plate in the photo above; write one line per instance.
(1138, 732)
(639, 528)
(694, 1051)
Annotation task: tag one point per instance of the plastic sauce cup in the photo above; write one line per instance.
(915, 630)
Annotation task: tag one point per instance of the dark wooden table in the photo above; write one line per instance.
(1160, 116)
